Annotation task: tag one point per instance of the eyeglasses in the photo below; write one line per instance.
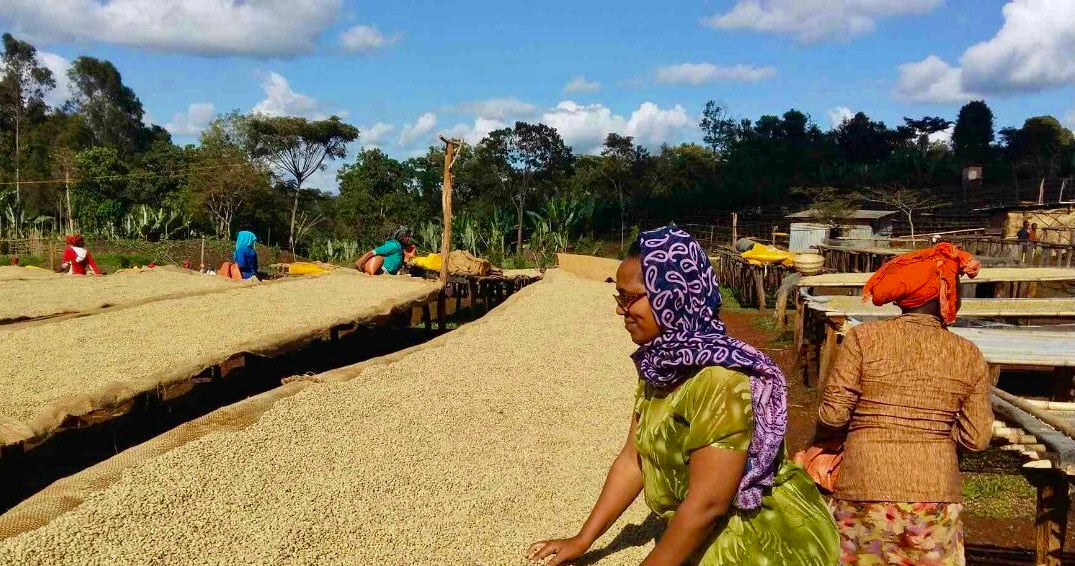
(625, 302)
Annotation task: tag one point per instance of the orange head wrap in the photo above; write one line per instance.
(74, 240)
(914, 279)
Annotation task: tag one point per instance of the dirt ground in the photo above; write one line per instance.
(991, 534)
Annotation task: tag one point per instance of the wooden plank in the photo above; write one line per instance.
(971, 308)
(986, 275)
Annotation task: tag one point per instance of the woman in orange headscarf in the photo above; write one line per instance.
(76, 258)
(907, 393)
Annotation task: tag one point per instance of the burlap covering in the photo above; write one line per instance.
(68, 493)
(117, 398)
(461, 262)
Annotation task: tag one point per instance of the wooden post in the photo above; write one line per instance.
(735, 228)
(202, 262)
(451, 150)
(828, 352)
(1051, 517)
(759, 283)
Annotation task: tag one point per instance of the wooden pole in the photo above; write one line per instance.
(451, 149)
(201, 266)
(735, 228)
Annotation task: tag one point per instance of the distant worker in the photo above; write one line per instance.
(907, 393)
(1034, 236)
(390, 256)
(1023, 235)
(76, 257)
(246, 257)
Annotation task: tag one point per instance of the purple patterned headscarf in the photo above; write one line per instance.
(683, 292)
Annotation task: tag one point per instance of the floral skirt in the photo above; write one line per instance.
(883, 534)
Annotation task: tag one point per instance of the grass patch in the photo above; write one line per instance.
(998, 496)
(783, 337)
(25, 261)
(728, 300)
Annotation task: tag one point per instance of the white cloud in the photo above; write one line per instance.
(700, 73)
(1031, 52)
(931, 80)
(815, 20)
(584, 127)
(59, 66)
(193, 121)
(473, 133)
(376, 134)
(281, 100)
(366, 39)
(580, 84)
(267, 28)
(497, 108)
(839, 114)
(1034, 49)
(419, 129)
(944, 136)
(1069, 119)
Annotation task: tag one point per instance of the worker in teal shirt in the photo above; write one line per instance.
(390, 256)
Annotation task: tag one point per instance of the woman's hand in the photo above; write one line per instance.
(562, 550)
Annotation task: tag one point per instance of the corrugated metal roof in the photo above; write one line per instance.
(856, 215)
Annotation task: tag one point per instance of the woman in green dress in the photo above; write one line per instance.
(706, 440)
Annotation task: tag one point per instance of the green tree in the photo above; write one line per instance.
(23, 87)
(864, 141)
(525, 158)
(719, 131)
(622, 164)
(1046, 144)
(110, 108)
(297, 148)
(99, 197)
(973, 135)
(223, 180)
(374, 194)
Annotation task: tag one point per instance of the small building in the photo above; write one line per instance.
(806, 230)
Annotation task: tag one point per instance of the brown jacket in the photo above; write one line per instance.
(909, 391)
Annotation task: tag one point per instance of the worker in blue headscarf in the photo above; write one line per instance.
(245, 255)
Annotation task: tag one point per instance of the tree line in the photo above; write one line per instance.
(93, 164)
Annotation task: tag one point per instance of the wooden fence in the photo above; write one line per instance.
(1014, 252)
(753, 286)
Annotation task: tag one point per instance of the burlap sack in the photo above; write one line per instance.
(462, 263)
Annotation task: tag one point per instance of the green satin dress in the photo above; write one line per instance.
(793, 526)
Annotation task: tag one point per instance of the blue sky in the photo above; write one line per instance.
(405, 73)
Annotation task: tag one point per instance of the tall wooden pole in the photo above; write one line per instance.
(451, 150)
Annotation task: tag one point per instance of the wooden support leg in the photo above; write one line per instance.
(782, 307)
(759, 283)
(1063, 384)
(1051, 517)
(427, 318)
(442, 311)
(828, 352)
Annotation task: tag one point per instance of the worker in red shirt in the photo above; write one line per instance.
(76, 258)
